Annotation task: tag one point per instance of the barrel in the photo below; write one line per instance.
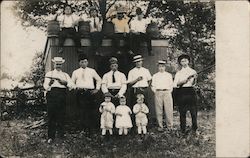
(153, 30)
(84, 28)
(108, 29)
(53, 27)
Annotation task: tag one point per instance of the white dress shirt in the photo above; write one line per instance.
(182, 75)
(84, 78)
(139, 25)
(98, 21)
(68, 21)
(162, 80)
(57, 74)
(120, 82)
(137, 72)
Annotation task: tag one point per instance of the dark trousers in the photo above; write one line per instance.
(96, 40)
(186, 100)
(115, 100)
(137, 39)
(56, 104)
(87, 108)
(116, 41)
(69, 32)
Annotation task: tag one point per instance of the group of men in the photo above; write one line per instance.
(131, 30)
(86, 82)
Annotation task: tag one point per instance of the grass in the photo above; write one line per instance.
(15, 140)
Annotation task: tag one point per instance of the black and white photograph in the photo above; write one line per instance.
(109, 78)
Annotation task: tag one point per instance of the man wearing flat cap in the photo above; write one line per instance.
(139, 78)
(184, 81)
(162, 86)
(138, 26)
(55, 83)
(114, 81)
(83, 78)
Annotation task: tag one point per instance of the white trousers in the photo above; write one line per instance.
(164, 99)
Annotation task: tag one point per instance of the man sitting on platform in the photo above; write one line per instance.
(96, 35)
(138, 27)
(121, 29)
(68, 21)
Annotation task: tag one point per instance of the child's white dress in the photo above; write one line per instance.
(123, 121)
(141, 118)
(107, 110)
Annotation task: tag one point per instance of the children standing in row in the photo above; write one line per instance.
(123, 112)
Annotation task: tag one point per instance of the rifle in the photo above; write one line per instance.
(193, 75)
(53, 78)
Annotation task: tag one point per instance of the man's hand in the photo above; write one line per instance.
(94, 91)
(63, 82)
(117, 96)
(51, 82)
(139, 78)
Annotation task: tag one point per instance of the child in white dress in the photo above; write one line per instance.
(107, 109)
(140, 109)
(123, 120)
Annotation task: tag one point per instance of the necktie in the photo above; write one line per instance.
(113, 77)
(83, 78)
(95, 25)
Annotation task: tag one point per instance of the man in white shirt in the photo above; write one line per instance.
(96, 35)
(138, 26)
(162, 86)
(121, 27)
(68, 21)
(55, 84)
(86, 90)
(114, 82)
(140, 79)
(184, 81)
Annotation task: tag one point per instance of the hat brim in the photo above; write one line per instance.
(137, 60)
(59, 62)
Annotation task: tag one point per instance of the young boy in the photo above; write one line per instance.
(162, 86)
(140, 110)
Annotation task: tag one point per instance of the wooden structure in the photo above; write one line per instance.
(160, 48)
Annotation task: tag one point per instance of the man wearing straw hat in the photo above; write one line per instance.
(114, 81)
(55, 83)
(139, 78)
(162, 86)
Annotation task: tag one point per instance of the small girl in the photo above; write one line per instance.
(123, 120)
(107, 109)
(140, 109)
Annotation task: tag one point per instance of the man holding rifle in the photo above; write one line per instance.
(55, 83)
(184, 81)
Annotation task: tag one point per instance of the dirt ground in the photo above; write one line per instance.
(17, 141)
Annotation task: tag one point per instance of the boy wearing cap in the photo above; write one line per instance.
(68, 22)
(184, 81)
(55, 83)
(139, 78)
(96, 35)
(138, 26)
(162, 86)
(114, 81)
(83, 78)
(121, 29)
